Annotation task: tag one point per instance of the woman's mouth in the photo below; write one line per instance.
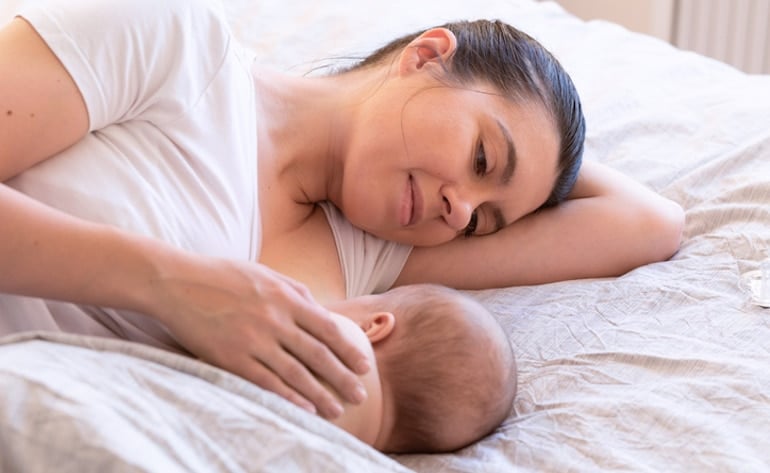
(411, 211)
(406, 216)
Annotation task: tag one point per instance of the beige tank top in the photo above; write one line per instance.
(369, 264)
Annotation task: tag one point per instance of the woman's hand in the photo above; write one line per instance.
(265, 327)
(240, 316)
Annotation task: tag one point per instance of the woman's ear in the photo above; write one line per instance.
(378, 326)
(434, 46)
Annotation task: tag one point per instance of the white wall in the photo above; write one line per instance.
(734, 31)
(652, 17)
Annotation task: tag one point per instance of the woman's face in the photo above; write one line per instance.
(427, 162)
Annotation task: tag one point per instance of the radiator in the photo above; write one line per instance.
(734, 31)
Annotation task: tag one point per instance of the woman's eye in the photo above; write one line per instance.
(480, 161)
(471, 228)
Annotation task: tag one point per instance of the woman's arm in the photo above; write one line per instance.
(610, 225)
(238, 315)
(41, 109)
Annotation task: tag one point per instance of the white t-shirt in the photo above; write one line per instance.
(171, 150)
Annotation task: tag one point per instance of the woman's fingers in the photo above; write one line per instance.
(316, 341)
(316, 320)
(265, 378)
(267, 328)
(331, 356)
(320, 359)
(298, 384)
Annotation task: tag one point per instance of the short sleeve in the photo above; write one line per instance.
(134, 59)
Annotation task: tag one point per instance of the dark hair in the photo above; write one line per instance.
(450, 370)
(521, 69)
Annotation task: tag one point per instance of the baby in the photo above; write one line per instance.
(443, 373)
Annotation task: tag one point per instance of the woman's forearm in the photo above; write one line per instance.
(610, 225)
(46, 253)
(238, 315)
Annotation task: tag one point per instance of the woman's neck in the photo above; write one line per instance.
(304, 125)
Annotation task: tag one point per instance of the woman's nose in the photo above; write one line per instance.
(457, 209)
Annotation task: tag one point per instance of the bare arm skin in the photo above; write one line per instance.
(41, 110)
(240, 316)
(610, 225)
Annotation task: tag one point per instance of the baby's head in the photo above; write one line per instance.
(445, 372)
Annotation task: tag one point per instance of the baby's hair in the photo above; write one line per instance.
(451, 371)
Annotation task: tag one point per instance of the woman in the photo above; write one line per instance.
(128, 148)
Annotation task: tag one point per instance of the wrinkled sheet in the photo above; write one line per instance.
(71, 403)
(666, 368)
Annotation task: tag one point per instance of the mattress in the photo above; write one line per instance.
(665, 368)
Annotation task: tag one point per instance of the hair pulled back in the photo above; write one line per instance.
(521, 69)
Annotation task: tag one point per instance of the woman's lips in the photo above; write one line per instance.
(411, 203)
(407, 204)
(416, 200)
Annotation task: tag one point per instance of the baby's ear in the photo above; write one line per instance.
(378, 326)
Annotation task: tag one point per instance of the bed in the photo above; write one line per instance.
(666, 368)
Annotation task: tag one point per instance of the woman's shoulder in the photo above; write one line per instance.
(145, 18)
(128, 56)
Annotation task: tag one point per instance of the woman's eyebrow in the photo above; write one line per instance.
(510, 163)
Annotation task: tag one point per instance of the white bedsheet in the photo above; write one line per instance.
(664, 369)
(71, 403)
